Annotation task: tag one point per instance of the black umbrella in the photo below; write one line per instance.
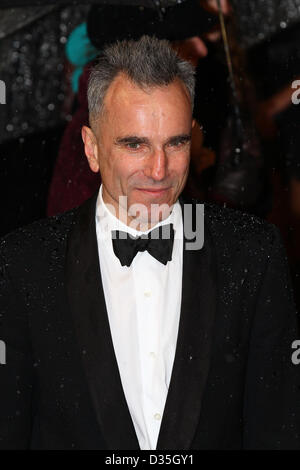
(181, 20)
(145, 3)
(168, 19)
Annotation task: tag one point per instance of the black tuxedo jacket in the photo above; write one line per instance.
(233, 383)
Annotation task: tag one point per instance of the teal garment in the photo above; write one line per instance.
(79, 52)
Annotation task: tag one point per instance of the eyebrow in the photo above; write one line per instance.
(179, 138)
(133, 139)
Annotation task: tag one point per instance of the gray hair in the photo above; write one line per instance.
(148, 62)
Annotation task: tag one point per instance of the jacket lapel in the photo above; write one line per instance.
(194, 342)
(192, 357)
(87, 304)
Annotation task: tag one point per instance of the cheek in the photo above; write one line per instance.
(127, 165)
(179, 164)
(123, 167)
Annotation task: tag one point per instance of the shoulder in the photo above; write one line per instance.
(242, 239)
(232, 229)
(235, 223)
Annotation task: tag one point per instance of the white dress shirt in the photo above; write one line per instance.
(143, 304)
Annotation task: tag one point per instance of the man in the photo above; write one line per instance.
(120, 341)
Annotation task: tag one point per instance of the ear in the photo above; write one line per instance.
(193, 122)
(90, 148)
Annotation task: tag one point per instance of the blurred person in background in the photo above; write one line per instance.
(269, 32)
(275, 66)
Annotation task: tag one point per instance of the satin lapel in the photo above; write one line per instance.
(192, 357)
(87, 304)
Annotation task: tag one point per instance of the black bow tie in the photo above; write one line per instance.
(158, 242)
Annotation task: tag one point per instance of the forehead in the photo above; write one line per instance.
(126, 101)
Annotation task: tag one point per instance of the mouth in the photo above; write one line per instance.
(154, 192)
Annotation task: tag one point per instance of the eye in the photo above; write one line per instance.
(133, 145)
(179, 143)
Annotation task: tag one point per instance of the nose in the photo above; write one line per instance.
(157, 167)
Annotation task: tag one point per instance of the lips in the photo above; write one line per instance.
(153, 191)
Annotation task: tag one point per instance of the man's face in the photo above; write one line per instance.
(142, 145)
